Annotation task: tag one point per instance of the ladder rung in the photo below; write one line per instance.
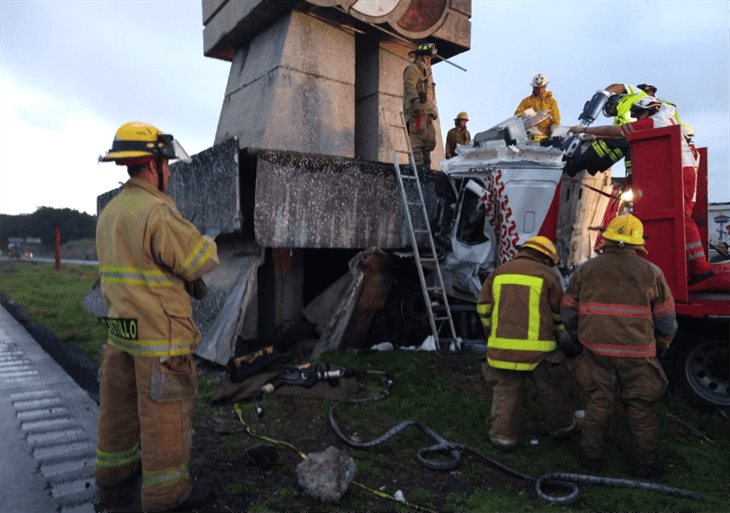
(417, 230)
(434, 289)
(445, 318)
(409, 177)
(403, 151)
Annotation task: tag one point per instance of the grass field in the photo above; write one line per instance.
(53, 298)
(446, 393)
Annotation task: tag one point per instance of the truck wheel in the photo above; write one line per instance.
(405, 314)
(700, 370)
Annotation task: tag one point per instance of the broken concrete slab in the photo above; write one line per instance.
(344, 312)
(326, 475)
(316, 201)
(231, 302)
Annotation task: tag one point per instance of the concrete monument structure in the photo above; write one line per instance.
(313, 76)
(300, 179)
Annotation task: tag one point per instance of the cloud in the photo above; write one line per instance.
(52, 166)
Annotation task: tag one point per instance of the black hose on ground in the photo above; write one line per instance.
(564, 482)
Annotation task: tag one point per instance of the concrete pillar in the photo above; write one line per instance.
(379, 86)
(280, 288)
(292, 87)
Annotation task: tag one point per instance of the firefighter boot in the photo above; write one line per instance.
(201, 495)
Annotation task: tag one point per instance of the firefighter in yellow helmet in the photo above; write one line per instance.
(620, 308)
(457, 135)
(148, 256)
(519, 308)
(541, 100)
(419, 103)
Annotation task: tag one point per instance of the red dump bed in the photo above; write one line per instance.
(658, 201)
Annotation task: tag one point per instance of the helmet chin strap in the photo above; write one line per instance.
(159, 174)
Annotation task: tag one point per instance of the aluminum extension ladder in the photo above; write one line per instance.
(418, 224)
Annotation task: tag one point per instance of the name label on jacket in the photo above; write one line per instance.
(121, 328)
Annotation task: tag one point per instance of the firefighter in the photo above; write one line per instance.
(601, 154)
(149, 258)
(519, 308)
(620, 308)
(457, 135)
(651, 113)
(540, 100)
(419, 103)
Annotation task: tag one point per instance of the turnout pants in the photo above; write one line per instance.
(697, 263)
(423, 139)
(638, 382)
(552, 384)
(145, 416)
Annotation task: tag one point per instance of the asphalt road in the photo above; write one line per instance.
(47, 430)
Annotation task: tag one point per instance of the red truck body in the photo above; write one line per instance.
(697, 361)
(659, 202)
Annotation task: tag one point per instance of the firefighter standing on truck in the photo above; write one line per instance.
(150, 259)
(541, 100)
(651, 113)
(620, 308)
(457, 135)
(519, 308)
(419, 103)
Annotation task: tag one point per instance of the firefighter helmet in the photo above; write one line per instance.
(136, 143)
(424, 49)
(626, 229)
(649, 89)
(539, 80)
(543, 245)
(462, 115)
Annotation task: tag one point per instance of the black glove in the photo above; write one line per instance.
(567, 345)
(196, 288)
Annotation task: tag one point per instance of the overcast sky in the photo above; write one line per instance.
(71, 72)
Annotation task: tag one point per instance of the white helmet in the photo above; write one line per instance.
(539, 80)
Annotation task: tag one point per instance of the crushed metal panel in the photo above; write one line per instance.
(316, 201)
(231, 297)
(207, 191)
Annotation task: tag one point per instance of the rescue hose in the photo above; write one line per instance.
(453, 452)
(302, 455)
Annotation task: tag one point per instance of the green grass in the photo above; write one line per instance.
(446, 394)
(454, 401)
(54, 299)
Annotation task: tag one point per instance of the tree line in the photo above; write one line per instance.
(41, 224)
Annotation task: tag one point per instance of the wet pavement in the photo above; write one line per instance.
(47, 430)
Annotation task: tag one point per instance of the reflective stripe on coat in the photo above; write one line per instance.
(519, 308)
(146, 253)
(618, 304)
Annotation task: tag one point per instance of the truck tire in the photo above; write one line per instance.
(405, 313)
(699, 370)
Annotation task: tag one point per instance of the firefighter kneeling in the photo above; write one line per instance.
(620, 308)
(519, 308)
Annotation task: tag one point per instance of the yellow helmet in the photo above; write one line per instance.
(544, 246)
(626, 229)
(462, 115)
(137, 142)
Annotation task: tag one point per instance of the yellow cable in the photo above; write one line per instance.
(377, 493)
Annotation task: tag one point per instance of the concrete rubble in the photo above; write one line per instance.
(326, 475)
